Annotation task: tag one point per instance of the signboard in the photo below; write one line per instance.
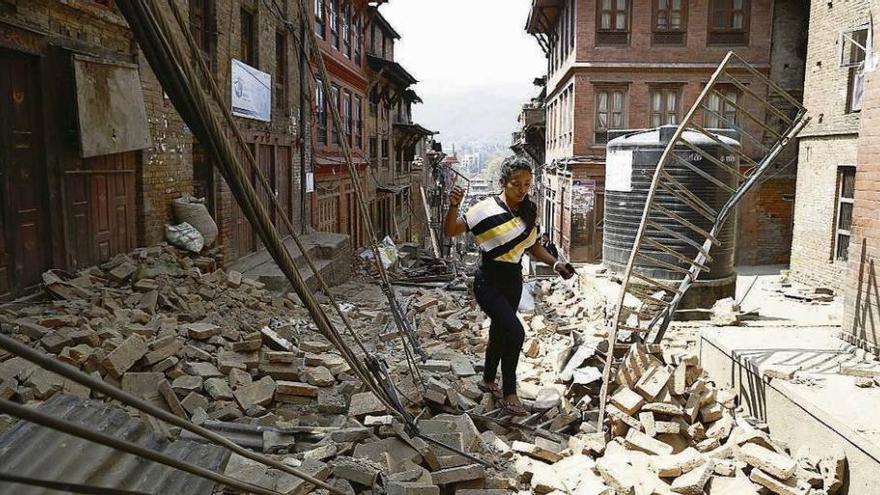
(251, 92)
(618, 170)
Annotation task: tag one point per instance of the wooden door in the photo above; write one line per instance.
(266, 162)
(283, 187)
(24, 228)
(242, 242)
(112, 200)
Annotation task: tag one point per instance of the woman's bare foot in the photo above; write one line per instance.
(490, 388)
(512, 405)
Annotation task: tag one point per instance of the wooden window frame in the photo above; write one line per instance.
(333, 15)
(281, 70)
(728, 35)
(668, 36)
(336, 101)
(345, 13)
(248, 36)
(855, 64)
(373, 149)
(359, 121)
(707, 115)
(664, 90)
(201, 25)
(357, 40)
(347, 115)
(600, 134)
(613, 36)
(320, 18)
(841, 200)
(321, 112)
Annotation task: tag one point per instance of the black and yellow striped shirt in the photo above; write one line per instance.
(499, 233)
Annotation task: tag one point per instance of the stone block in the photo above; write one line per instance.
(627, 401)
(458, 474)
(778, 465)
(635, 439)
(201, 330)
(694, 482)
(297, 389)
(124, 356)
(259, 393)
(365, 403)
(318, 376)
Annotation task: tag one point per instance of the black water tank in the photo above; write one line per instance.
(630, 164)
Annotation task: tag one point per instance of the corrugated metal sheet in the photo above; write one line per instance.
(35, 451)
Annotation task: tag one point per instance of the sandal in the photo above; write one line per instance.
(490, 388)
(512, 408)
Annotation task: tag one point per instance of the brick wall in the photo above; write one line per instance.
(828, 141)
(166, 172)
(812, 247)
(764, 223)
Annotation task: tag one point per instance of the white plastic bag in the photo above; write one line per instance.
(185, 236)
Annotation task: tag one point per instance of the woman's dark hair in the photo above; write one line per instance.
(527, 210)
(511, 165)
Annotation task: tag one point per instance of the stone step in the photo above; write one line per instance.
(331, 254)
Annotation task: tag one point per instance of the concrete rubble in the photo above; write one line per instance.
(220, 350)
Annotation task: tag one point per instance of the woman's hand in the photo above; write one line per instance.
(455, 197)
(565, 270)
(454, 225)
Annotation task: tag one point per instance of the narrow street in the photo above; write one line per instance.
(351, 247)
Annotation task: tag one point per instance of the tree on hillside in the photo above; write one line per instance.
(493, 167)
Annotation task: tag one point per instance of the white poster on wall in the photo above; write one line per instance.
(251, 92)
(618, 170)
(310, 182)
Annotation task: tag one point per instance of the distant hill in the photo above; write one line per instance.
(481, 114)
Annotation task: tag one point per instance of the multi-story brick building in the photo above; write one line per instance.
(91, 151)
(861, 299)
(394, 140)
(631, 64)
(822, 247)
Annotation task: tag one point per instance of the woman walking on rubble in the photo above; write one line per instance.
(504, 228)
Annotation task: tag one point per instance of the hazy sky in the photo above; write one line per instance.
(467, 53)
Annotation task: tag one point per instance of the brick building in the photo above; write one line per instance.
(861, 298)
(397, 145)
(639, 64)
(828, 145)
(92, 153)
(339, 29)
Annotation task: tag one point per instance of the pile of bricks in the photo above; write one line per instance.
(666, 415)
(164, 325)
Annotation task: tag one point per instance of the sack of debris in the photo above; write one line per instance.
(387, 251)
(193, 211)
(185, 236)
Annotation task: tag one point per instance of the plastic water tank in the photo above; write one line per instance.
(631, 161)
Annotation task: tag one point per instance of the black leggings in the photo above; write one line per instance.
(498, 288)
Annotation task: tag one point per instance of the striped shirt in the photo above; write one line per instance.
(499, 233)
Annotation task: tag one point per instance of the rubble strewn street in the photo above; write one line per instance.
(218, 349)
